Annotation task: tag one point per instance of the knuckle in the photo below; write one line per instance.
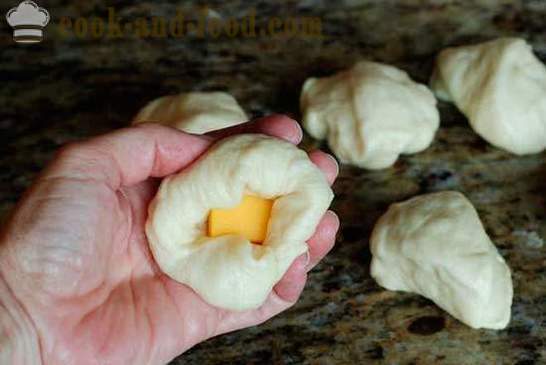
(70, 152)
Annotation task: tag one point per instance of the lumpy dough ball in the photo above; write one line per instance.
(229, 271)
(194, 112)
(500, 86)
(370, 114)
(435, 245)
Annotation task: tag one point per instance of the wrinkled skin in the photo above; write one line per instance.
(75, 263)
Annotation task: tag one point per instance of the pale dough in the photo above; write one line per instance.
(370, 114)
(500, 86)
(194, 112)
(436, 246)
(228, 271)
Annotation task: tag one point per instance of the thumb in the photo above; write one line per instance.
(128, 156)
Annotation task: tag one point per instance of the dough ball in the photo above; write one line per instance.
(436, 246)
(370, 114)
(194, 112)
(229, 271)
(501, 88)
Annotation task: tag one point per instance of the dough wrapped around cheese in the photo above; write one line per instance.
(370, 114)
(436, 246)
(500, 86)
(229, 271)
(194, 112)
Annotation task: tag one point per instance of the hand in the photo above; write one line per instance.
(78, 284)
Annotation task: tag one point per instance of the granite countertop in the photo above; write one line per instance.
(67, 88)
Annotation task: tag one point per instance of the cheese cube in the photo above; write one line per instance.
(249, 219)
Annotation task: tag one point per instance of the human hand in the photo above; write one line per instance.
(78, 284)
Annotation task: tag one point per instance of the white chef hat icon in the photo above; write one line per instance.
(28, 21)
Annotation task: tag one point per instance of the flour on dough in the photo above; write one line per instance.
(370, 114)
(194, 112)
(500, 86)
(228, 271)
(436, 246)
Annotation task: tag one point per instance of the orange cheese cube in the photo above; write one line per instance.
(249, 219)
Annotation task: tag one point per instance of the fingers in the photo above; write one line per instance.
(131, 155)
(292, 283)
(287, 291)
(323, 240)
(289, 288)
(283, 127)
(279, 126)
(327, 163)
(128, 156)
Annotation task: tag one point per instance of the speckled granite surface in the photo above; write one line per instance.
(65, 89)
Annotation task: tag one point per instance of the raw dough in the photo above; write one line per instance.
(436, 246)
(370, 114)
(501, 88)
(228, 271)
(194, 112)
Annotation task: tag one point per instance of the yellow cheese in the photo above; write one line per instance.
(249, 219)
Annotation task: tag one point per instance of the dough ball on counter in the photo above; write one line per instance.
(194, 112)
(435, 245)
(370, 114)
(228, 270)
(500, 86)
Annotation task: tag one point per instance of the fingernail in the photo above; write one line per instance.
(307, 259)
(333, 215)
(334, 161)
(298, 134)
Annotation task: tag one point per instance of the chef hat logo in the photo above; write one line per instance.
(28, 21)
